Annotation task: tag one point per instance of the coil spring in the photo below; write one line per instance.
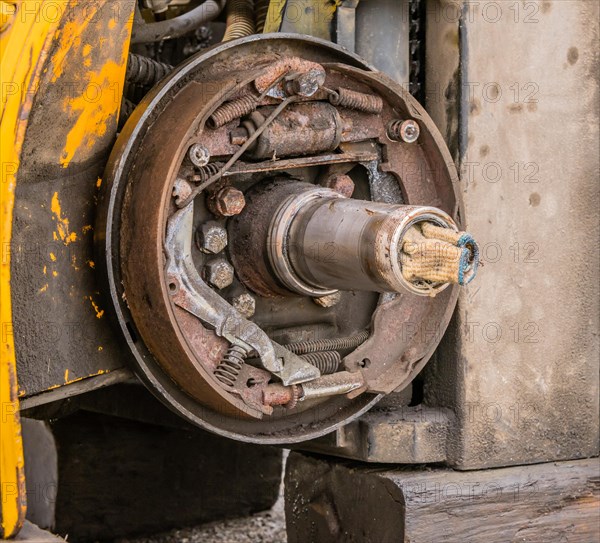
(394, 130)
(230, 366)
(327, 361)
(360, 101)
(261, 10)
(203, 173)
(317, 345)
(232, 110)
(240, 19)
(145, 71)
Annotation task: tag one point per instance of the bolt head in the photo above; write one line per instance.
(211, 238)
(308, 83)
(410, 131)
(228, 202)
(330, 300)
(340, 183)
(244, 304)
(199, 155)
(219, 273)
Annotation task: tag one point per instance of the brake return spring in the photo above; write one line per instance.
(326, 362)
(230, 366)
(369, 103)
(338, 344)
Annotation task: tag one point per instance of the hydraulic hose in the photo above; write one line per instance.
(178, 26)
(145, 71)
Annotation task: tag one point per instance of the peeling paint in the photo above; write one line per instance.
(62, 223)
(99, 312)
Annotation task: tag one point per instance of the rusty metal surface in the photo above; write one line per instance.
(337, 409)
(137, 244)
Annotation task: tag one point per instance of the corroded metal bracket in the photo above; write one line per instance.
(191, 293)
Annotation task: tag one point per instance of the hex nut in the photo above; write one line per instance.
(330, 300)
(244, 304)
(211, 238)
(340, 183)
(227, 202)
(219, 273)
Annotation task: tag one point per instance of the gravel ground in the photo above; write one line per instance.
(265, 527)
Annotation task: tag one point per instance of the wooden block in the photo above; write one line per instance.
(337, 501)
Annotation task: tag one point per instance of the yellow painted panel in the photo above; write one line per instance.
(26, 31)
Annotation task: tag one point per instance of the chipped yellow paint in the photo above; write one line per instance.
(44, 288)
(91, 264)
(68, 381)
(99, 101)
(99, 182)
(45, 269)
(70, 37)
(54, 273)
(24, 45)
(92, 118)
(87, 228)
(100, 348)
(62, 223)
(99, 312)
(53, 257)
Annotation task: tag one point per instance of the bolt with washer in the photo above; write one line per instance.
(244, 304)
(219, 273)
(198, 155)
(211, 238)
(407, 131)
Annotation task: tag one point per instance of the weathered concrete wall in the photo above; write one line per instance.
(520, 363)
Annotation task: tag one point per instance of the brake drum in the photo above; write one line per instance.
(254, 212)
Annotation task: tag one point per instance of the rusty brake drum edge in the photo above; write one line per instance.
(130, 233)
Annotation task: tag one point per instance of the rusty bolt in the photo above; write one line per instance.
(211, 238)
(330, 300)
(199, 155)
(227, 202)
(219, 273)
(238, 136)
(244, 304)
(341, 183)
(306, 84)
